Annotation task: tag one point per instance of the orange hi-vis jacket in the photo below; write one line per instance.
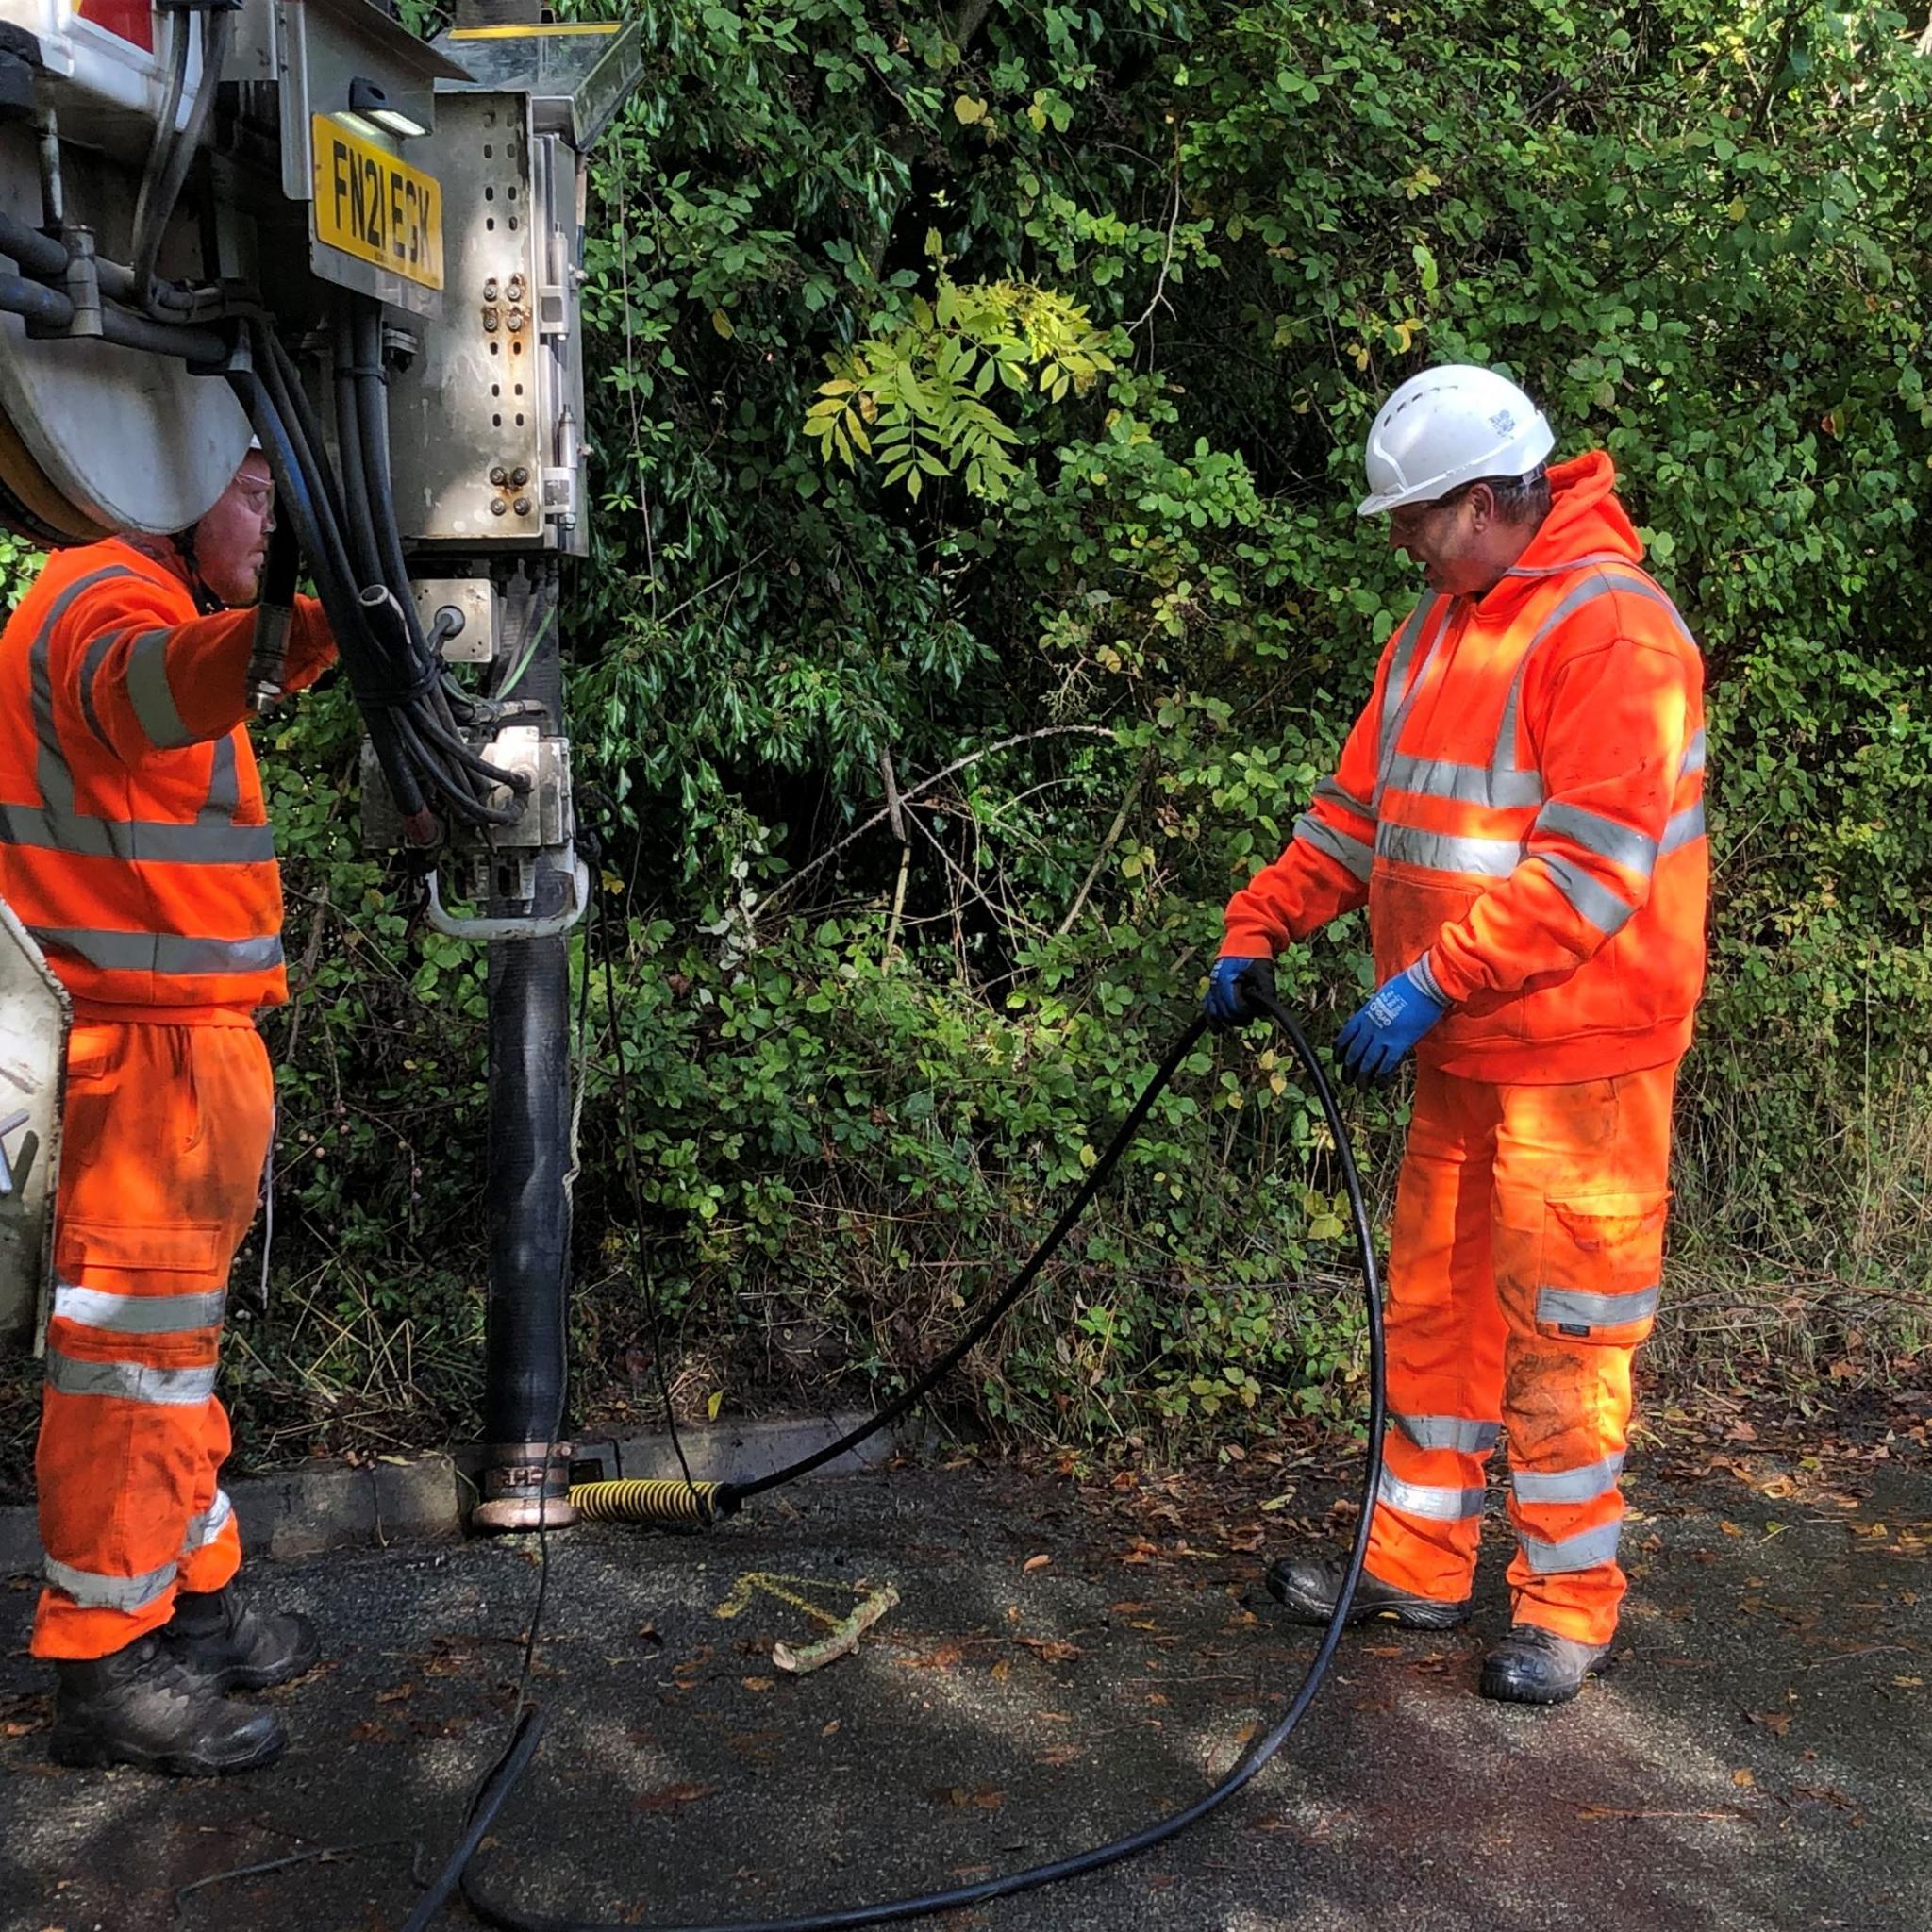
(1522, 807)
(133, 842)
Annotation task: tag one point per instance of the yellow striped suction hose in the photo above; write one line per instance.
(673, 1504)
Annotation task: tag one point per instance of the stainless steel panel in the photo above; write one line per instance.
(476, 597)
(470, 407)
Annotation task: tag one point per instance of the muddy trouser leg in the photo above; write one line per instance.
(1581, 1198)
(1444, 1335)
(166, 1132)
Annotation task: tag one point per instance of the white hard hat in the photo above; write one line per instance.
(1448, 426)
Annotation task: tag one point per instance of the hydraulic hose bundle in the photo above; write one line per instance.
(347, 529)
(648, 1502)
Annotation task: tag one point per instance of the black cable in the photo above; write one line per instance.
(507, 1918)
(294, 494)
(1096, 1178)
(349, 441)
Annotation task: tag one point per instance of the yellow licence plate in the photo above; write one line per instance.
(376, 207)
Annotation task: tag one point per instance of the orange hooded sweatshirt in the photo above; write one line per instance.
(1521, 807)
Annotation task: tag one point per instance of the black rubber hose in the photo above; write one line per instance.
(202, 346)
(53, 309)
(489, 1802)
(338, 599)
(349, 445)
(275, 378)
(994, 1315)
(35, 301)
(527, 1337)
(371, 391)
(1078, 1864)
(36, 254)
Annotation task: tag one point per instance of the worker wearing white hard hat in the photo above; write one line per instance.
(1521, 809)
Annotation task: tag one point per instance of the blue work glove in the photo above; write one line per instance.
(1383, 1034)
(1231, 986)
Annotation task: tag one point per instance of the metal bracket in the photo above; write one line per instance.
(528, 926)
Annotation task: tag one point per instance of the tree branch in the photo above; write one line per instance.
(924, 785)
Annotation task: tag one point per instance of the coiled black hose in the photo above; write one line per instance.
(496, 1791)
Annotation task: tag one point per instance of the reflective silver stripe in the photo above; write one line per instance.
(1568, 1484)
(1329, 791)
(55, 780)
(93, 1591)
(148, 692)
(1345, 851)
(1633, 582)
(1693, 755)
(224, 785)
(1575, 1307)
(1428, 1499)
(129, 1381)
(1685, 828)
(167, 952)
(1557, 569)
(1472, 784)
(1584, 1551)
(1393, 687)
(90, 670)
(1493, 859)
(1609, 839)
(211, 842)
(1594, 901)
(1448, 1432)
(139, 1314)
(204, 1529)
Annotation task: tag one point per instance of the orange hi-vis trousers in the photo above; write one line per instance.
(1522, 1274)
(165, 1134)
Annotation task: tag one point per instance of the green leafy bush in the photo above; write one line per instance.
(872, 1023)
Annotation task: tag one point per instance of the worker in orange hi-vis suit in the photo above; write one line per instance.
(134, 846)
(1521, 808)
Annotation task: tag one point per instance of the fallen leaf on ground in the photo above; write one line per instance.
(1050, 1650)
(1036, 1563)
(670, 1796)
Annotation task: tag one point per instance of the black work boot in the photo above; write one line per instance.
(1533, 1665)
(236, 1648)
(143, 1706)
(1309, 1588)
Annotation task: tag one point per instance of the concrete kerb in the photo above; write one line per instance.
(419, 1498)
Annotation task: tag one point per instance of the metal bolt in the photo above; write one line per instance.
(489, 290)
(497, 507)
(523, 506)
(490, 320)
(499, 476)
(516, 320)
(519, 475)
(515, 291)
